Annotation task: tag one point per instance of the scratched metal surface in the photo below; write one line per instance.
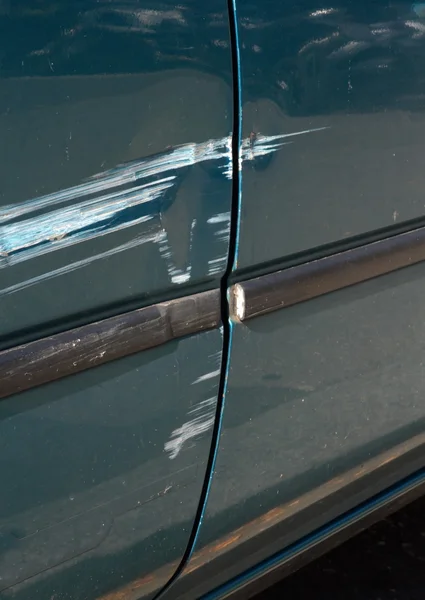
(314, 393)
(345, 82)
(101, 473)
(115, 162)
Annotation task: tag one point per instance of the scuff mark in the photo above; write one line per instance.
(220, 225)
(202, 415)
(176, 275)
(192, 429)
(220, 218)
(207, 376)
(65, 227)
(80, 264)
(94, 216)
(176, 158)
(261, 145)
(202, 405)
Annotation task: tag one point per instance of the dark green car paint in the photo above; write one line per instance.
(115, 193)
(328, 392)
(101, 473)
(108, 201)
(117, 137)
(355, 69)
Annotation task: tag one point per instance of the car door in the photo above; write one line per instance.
(116, 183)
(325, 384)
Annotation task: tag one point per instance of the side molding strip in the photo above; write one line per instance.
(297, 284)
(63, 354)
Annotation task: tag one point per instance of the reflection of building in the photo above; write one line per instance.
(335, 57)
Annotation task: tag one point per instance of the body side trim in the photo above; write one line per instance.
(70, 352)
(284, 288)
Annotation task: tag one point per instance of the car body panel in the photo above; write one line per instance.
(344, 86)
(273, 428)
(102, 472)
(115, 168)
(320, 396)
(323, 404)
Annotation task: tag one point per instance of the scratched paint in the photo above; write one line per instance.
(201, 416)
(210, 375)
(176, 275)
(220, 226)
(88, 217)
(80, 264)
(61, 228)
(192, 429)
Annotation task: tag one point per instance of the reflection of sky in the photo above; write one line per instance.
(419, 9)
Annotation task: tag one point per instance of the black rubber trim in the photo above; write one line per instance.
(70, 352)
(287, 287)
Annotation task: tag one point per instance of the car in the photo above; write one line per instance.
(212, 245)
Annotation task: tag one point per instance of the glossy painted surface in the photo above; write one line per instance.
(315, 392)
(115, 167)
(101, 473)
(319, 392)
(116, 122)
(116, 180)
(355, 69)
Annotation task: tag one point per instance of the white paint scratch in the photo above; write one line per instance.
(202, 405)
(80, 264)
(177, 275)
(219, 218)
(207, 376)
(189, 430)
(86, 219)
(65, 227)
(199, 424)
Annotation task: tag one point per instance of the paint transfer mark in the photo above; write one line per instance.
(82, 222)
(80, 264)
(220, 218)
(201, 417)
(207, 376)
(192, 429)
(176, 275)
(120, 198)
(261, 145)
